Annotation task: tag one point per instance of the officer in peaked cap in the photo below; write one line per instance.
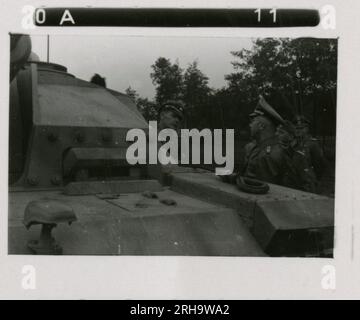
(265, 110)
(171, 115)
(310, 145)
(264, 158)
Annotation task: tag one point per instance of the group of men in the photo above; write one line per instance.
(281, 152)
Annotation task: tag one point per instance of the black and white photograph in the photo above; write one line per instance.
(180, 155)
(172, 146)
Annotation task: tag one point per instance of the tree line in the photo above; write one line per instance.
(296, 76)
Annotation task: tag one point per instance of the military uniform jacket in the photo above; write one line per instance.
(265, 161)
(315, 154)
(299, 174)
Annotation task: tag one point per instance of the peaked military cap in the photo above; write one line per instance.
(265, 110)
(173, 105)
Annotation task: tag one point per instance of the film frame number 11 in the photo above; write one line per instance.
(272, 11)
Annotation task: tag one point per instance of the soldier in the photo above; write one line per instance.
(171, 115)
(264, 158)
(310, 146)
(299, 173)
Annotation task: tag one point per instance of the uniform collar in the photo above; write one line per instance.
(268, 142)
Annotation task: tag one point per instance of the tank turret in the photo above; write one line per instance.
(65, 128)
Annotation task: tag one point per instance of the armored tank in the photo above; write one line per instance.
(72, 191)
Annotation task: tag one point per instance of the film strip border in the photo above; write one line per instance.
(176, 18)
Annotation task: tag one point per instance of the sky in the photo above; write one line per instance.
(126, 61)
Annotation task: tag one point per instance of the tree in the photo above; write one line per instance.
(147, 108)
(168, 80)
(297, 76)
(195, 85)
(130, 92)
(196, 93)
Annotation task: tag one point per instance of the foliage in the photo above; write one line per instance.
(295, 76)
(144, 105)
(190, 86)
(148, 108)
(131, 93)
(167, 79)
(195, 95)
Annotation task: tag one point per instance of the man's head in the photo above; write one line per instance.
(171, 116)
(259, 125)
(301, 126)
(263, 120)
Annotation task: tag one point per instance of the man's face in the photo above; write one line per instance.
(255, 126)
(302, 131)
(283, 136)
(170, 120)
